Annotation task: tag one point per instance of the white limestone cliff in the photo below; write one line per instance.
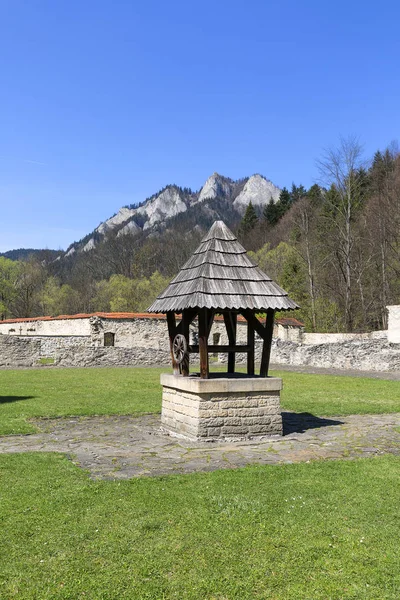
(89, 246)
(122, 215)
(172, 201)
(70, 251)
(258, 191)
(167, 204)
(215, 186)
(131, 227)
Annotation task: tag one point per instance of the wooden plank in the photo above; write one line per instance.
(266, 350)
(194, 349)
(230, 320)
(203, 339)
(250, 344)
(172, 333)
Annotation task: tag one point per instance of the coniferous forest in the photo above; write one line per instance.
(335, 247)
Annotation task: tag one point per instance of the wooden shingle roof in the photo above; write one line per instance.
(220, 275)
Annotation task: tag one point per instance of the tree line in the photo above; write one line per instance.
(335, 247)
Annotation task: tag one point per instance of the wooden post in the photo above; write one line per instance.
(185, 331)
(250, 342)
(230, 319)
(203, 343)
(172, 332)
(266, 350)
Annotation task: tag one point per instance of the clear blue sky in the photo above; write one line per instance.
(102, 103)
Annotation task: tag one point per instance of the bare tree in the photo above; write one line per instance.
(342, 171)
(304, 217)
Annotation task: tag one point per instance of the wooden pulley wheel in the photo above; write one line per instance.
(179, 348)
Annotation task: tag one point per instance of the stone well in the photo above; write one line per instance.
(220, 279)
(222, 407)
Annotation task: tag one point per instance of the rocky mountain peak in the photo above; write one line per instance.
(168, 203)
(215, 186)
(131, 227)
(258, 190)
(173, 200)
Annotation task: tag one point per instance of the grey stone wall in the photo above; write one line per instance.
(18, 352)
(112, 357)
(53, 347)
(74, 352)
(149, 346)
(333, 338)
(131, 333)
(363, 355)
(221, 408)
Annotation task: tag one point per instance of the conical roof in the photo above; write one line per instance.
(220, 275)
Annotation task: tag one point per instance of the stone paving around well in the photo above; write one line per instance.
(121, 447)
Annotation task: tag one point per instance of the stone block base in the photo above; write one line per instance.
(221, 408)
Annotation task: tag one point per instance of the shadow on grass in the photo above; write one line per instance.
(7, 399)
(300, 422)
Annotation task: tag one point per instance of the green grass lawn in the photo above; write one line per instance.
(331, 395)
(318, 531)
(60, 392)
(136, 391)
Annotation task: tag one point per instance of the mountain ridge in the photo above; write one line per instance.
(219, 197)
(172, 200)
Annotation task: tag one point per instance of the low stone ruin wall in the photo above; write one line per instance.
(112, 357)
(333, 338)
(33, 352)
(19, 352)
(364, 355)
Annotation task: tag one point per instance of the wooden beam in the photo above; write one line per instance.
(230, 320)
(251, 318)
(250, 344)
(266, 350)
(191, 314)
(203, 343)
(172, 333)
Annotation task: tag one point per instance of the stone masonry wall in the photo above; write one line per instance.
(214, 416)
(332, 338)
(242, 415)
(131, 333)
(141, 332)
(180, 412)
(220, 413)
(145, 342)
(17, 352)
(56, 327)
(363, 355)
(113, 357)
